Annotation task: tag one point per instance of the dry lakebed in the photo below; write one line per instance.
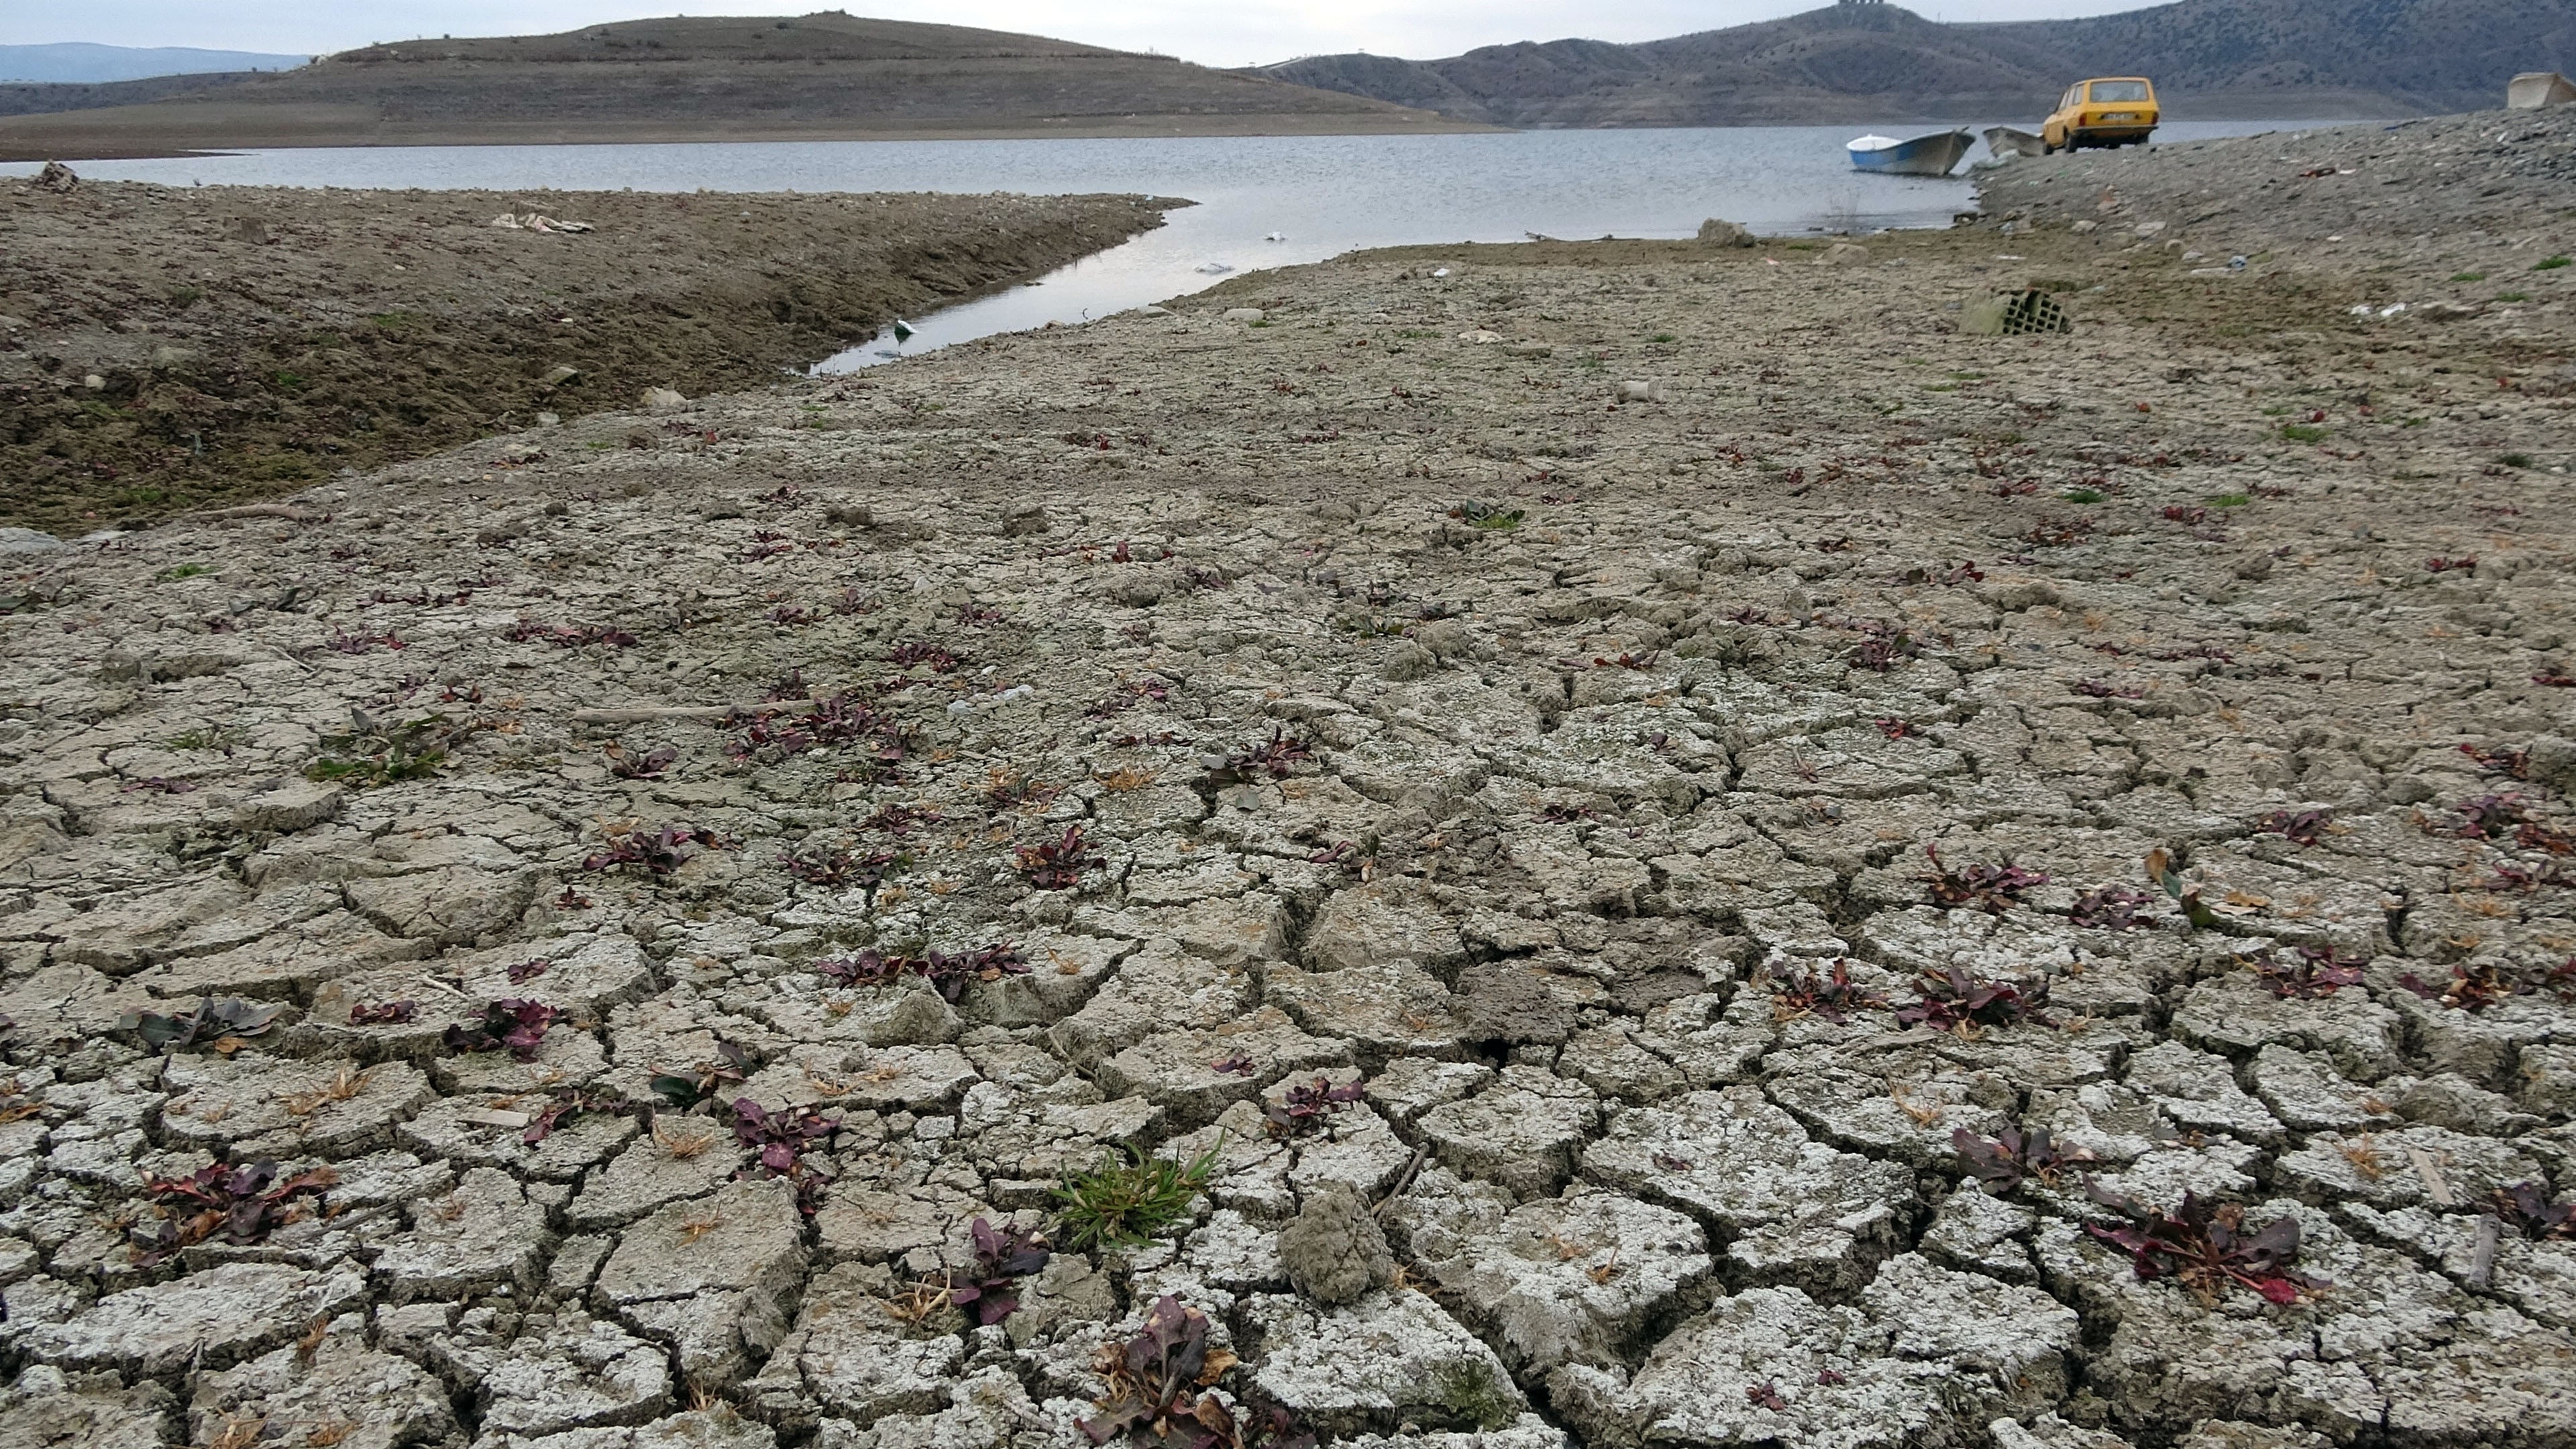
(1502, 847)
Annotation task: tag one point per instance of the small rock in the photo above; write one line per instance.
(296, 805)
(1842, 254)
(557, 375)
(56, 177)
(1651, 390)
(18, 542)
(1244, 314)
(1023, 519)
(1334, 1251)
(1716, 233)
(663, 400)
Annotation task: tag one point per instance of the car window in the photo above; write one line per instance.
(2119, 90)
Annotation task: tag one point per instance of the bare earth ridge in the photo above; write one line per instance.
(1610, 787)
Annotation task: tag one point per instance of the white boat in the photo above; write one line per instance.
(1931, 155)
(2538, 90)
(2007, 141)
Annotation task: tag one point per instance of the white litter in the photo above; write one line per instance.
(533, 221)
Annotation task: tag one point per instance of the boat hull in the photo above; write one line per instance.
(1933, 155)
(2538, 90)
(2007, 141)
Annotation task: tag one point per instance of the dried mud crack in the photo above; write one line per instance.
(1922, 890)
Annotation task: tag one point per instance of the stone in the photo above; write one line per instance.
(1790, 1209)
(715, 1278)
(295, 805)
(43, 1410)
(1928, 1356)
(374, 1400)
(1716, 233)
(1578, 1279)
(570, 1372)
(2198, 1092)
(1334, 1251)
(27, 543)
(484, 1234)
(849, 1357)
(689, 1160)
(263, 1106)
(1390, 1358)
(210, 1319)
(1522, 1132)
(1243, 314)
(1976, 1233)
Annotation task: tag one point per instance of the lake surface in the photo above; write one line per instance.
(1263, 201)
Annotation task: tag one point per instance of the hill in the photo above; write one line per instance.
(83, 64)
(817, 77)
(1855, 60)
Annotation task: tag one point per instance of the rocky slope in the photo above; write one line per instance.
(1632, 804)
(825, 76)
(2211, 59)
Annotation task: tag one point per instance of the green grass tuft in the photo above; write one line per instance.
(183, 571)
(2549, 264)
(2230, 500)
(2302, 433)
(2082, 495)
(1120, 1202)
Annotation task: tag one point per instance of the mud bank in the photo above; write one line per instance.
(1578, 881)
(248, 341)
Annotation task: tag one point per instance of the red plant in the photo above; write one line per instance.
(1953, 998)
(1985, 887)
(1152, 1380)
(626, 766)
(1275, 756)
(524, 972)
(899, 820)
(659, 853)
(2472, 987)
(1894, 728)
(569, 636)
(515, 1026)
(242, 1203)
(1302, 1110)
(2318, 973)
(1002, 1259)
(951, 975)
(1056, 865)
(2448, 565)
(2526, 1210)
(2205, 1247)
(2110, 908)
(2299, 827)
(383, 1013)
(781, 1140)
(839, 869)
(1828, 996)
(923, 652)
(2003, 1164)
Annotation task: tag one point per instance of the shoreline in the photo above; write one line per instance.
(316, 330)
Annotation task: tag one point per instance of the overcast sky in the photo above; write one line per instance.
(1214, 32)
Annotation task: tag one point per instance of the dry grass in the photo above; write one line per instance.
(685, 1143)
(348, 1082)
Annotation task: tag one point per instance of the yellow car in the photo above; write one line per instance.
(2111, 111)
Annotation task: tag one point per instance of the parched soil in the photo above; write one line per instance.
(249, 341)
(1590, 883)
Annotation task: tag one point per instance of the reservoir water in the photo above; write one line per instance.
(1262, 201)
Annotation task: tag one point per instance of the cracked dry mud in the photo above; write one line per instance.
(1550, 836)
